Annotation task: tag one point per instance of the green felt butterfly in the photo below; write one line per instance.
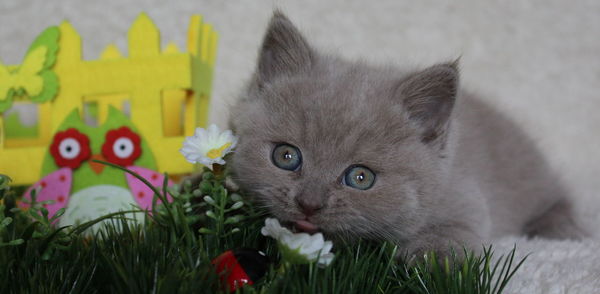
(34, 78)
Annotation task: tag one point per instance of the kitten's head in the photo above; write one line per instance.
(343, 147)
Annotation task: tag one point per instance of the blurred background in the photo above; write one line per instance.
(536, 60)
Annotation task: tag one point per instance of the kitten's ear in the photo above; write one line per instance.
(284, 50)
(429, 96)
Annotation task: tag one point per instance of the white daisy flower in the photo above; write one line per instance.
(299, 247)
(208, 146)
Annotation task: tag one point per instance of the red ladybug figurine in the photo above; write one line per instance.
(240, 266)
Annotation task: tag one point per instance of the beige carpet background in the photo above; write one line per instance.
(538, 60)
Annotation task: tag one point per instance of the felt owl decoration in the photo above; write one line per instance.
(86, 189)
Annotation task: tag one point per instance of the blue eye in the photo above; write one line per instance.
(359, 177)
(286, 157)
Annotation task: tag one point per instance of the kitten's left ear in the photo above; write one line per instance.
(428, 97)
(284, 50)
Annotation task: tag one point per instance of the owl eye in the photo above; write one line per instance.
(70, 148)
(122, 146)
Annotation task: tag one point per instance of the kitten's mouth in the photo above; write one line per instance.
(306, 226)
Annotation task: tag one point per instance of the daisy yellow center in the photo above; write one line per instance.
(217, 152)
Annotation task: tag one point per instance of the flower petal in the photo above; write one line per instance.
(213, 132)
(196, 148)
(299, 247)
(325, 260)
(200, 133)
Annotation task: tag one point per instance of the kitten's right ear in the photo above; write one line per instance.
(284, 50)
(429, 97)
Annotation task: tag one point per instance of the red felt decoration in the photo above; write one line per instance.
(121, 146)
(232, 273)
(70, 148)
(239, 267)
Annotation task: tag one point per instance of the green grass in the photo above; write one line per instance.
(171, 253)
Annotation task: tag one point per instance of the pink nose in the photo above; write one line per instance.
(309, 206)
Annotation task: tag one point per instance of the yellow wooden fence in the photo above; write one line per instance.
(167, 91)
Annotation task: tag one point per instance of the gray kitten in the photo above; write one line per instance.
(354, 150)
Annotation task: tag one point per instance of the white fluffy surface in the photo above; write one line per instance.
(554, 267)
(538, 60)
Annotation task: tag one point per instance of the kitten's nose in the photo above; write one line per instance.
(309, 206)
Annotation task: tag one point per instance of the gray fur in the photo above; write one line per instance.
(450, 170)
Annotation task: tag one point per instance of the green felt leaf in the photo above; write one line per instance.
(6, 103)
(37, 64)
(5, 88)
(50, 87)
(49, 38)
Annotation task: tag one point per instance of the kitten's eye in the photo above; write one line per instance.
(359, 177)
(286, 157)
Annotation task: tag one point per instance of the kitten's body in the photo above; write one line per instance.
(505, 166)
(449, 170)
(507, 186)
